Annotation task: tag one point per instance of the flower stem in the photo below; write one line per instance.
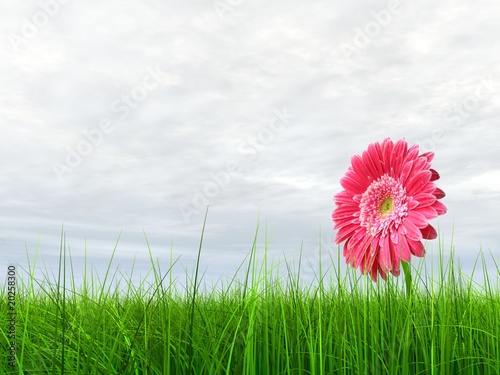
(407, 272)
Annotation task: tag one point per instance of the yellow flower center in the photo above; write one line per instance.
(386, 206)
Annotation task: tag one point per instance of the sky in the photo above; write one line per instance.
(126, 119)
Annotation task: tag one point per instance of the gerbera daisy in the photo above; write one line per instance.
(382, 215)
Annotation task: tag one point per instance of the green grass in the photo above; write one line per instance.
(259, 322)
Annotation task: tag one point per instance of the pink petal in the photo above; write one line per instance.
(345, 232)
(428, 212)
(375, 150)
(395, 236)
(406, 172)
(343, 197)
(357, 246)
(367, 264)
(435, 175)
(439, 207)
(429, 155)
(345, 253)
(346, 211)
(424, 199)
(340, 223)
(416, 218)
(351, 184)
(371, 158)
(382, 273)
(439, 193)
(384, 255)
(429, 233)
(398, 154)
(417, 182)
(419, 165)
(387, 147)
(360, 169)
(412, 154)
(361, 250)
(403, 250)
(416, 248)
(412, 203)
(412, 232)
(395, 271)
(394, 259)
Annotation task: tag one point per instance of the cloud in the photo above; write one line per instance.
(420, 77)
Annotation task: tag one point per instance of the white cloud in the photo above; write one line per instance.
(227, 78)
(482, 186)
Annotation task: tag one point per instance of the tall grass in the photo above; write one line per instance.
(259, 323)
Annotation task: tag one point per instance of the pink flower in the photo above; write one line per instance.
(383, 213)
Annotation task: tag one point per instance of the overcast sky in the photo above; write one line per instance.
(131, 116)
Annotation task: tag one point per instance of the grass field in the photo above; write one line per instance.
(258, 323)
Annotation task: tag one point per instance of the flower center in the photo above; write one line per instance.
(386, 206)
(383, 206)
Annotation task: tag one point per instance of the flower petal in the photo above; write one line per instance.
(412, 232)
(403, 250)
(345, 211)
(438, 193)
(384, 255)
(416, 248)
(351, 184)
(360, 169)
(412, 203)
(428, 212)
(424, 199)
(398, 155)
(375, 153)
(417, 218)
(429, 233)
(406, 172)
(345, 232)
(395, 259)
(387, 147)
(435, 175)
(417, 182)
(429, 155)
(439, 207)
